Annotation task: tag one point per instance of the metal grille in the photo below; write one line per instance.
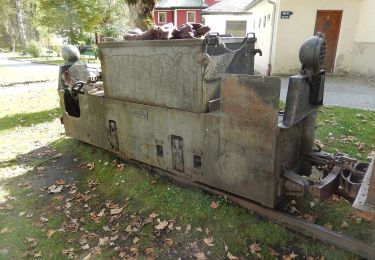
(322, 53)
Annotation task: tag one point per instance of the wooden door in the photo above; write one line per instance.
(328, 22)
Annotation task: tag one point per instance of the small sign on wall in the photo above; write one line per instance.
(286, 14)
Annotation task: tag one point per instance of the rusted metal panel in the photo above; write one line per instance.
(248, 134)
(303, 98)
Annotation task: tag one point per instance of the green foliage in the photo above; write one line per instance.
(34, 49)
(57, 49)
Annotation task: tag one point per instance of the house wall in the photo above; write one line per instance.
(261, 24)
(182, 16)
(218, 22)
(292, 32)
(169, 16)
(363, 49)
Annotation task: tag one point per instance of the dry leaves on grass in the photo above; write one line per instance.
(68, 252)
(162, 224)
(200, 256)
(255, 249)
(231, 257)
(289, 257)
(328, 225)
(60, 182)
(208, 241)
(149, 250)
(50, 233)
(121, 167)
(188, 228)
(344, 224)
(169, 241)
(116, 211)
(55, 189)
(214, 205)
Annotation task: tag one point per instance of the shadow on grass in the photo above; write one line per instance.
(28, 119)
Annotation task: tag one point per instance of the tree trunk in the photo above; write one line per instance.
(21, 26)
(13, 38)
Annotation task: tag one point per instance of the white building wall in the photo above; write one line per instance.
(218, 22)
(261, 25)
(292, 32)
(362, 60)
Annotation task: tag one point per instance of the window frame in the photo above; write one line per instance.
(165, 17)
(194, 16)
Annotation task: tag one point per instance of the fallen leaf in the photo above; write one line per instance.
(344, 224)
(163, 224)
(103, 241)
(226, 248)
(122, 254)
(60, 182)
(327, 225)
(39, 254)
(231, 257)
(43, 219)
(90, 166)
(149, 250)
(178, 228)
(135, 240)
(309, 218)
(208, 241)
(289, 257)
(153, 215)
(55, 189)
(214, 205)
(5, 230)
(312, 204)
(94, 217)
(200, 256)
(169, 241)
(85, 247)
(199, 229)
(188, 228)
(128, 229)
(255, 248)
(29, 215)
(121, 167)
(69, 252)
(106, 228)
(21, 214)
(50, 233)
(116, 211)
(101, 213)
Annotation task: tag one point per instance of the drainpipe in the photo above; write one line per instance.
(269, 68)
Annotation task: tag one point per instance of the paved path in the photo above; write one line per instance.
(21, 71)
(344, 91)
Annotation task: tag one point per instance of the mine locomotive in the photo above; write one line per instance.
(195, 109)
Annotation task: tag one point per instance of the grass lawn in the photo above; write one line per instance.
(154, 217)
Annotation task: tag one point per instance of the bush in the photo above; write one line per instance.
(34, 49)
(57, 49)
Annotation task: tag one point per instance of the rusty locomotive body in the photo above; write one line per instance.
(195, 108)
